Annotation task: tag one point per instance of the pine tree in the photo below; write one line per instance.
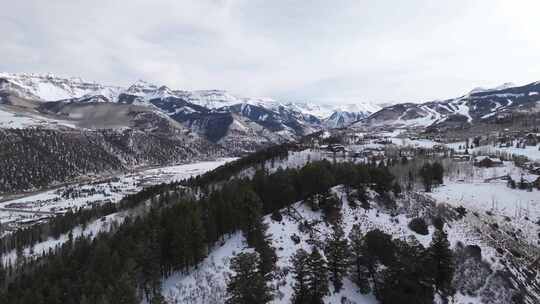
(359, 270)
(151, 268)
(248, 285)
(441, 258)
(317, 281)
(426, 172)
(406, 278)
(438, 173)
(410, 181)
(300, 274)
(250, 214)
(255, 231)
(158, 299)
(337, 256)
(125, 290)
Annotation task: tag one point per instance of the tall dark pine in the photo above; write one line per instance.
(151, 265)
(250, 215)
(318, 277)
(255, 230)
(336, 253)
(426, 172)
(438, 173)
(407, 278)
(3, 275)
(263, 246)
(359, 270)
(248, 285)
(300, 274)
(441, 257)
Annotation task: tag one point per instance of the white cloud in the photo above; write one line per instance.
(316, 50)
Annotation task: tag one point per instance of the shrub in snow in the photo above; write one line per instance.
(471, 272)
(461, 211)
(419, 226)
(438, 222)
(276, 216)
(499, 290)
(473, 251)
(295, 238)
(344, 300)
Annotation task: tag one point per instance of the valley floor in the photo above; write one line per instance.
(36, 207)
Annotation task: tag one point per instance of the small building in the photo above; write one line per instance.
(461, 157)
(336, 148)
(536, 183)
(487, 162)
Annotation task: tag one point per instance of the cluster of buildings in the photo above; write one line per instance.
(518, 139)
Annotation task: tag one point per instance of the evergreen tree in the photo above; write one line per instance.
(378, 248)
(410, 181)
(407, 278)
(255, 231)
(330, 206)
(248, 285)
(125, 291)
(158, 299)
(441, 258)
(426, 173)
(250, 214)
(359, 270)
(438, 173)
(335, 251)
(300, 274)
(3, 274)
(396, 188)
(265, 250)
(317, 281)
(151, 269)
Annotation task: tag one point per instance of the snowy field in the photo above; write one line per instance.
(472, 188)
(86, 194)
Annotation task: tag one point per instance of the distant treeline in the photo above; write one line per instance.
(231, 169)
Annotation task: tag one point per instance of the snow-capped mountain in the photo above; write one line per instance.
(503, 86)
(478, 106)
(218, 115)
(50, 87)
(222, 116)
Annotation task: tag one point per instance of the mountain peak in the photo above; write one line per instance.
(503, 86)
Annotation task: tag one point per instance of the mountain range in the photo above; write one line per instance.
(232, 122)
(480, 106)
(215, 115)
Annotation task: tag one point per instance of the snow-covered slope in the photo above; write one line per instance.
(478, 106)
(51, 87)
(503, 86)
(207, 283)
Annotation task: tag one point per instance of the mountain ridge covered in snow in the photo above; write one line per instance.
(49, 87)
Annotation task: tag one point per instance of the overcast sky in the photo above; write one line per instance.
(321, 51)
